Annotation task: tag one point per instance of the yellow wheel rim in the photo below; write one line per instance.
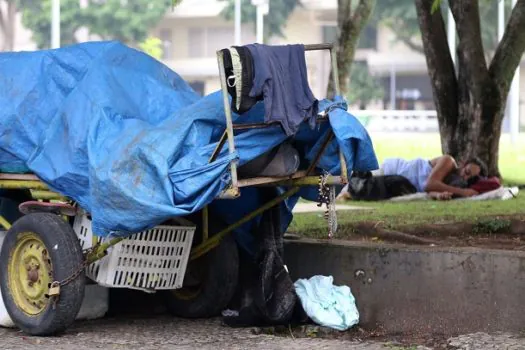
(30, 274)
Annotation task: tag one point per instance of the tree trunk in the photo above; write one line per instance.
(441, 72)
(350, 23)
(470, 106)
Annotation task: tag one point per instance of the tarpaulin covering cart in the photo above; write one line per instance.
(103, 145)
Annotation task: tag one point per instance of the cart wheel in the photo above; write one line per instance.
(209, 284)
(38, 250)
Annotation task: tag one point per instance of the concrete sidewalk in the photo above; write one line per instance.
(312, 207)
(166, 333)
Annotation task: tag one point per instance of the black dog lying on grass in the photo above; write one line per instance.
(364, 186)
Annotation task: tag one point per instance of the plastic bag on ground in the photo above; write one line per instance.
(326, 304)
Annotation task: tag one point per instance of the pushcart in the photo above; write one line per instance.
(50, 249)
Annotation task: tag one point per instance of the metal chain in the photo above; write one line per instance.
(78, 271)
(332, 214)
(75, 274)
(327, 196)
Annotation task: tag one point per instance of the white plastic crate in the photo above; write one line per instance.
(150, 260)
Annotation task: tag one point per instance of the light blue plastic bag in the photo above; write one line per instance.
(326, 304)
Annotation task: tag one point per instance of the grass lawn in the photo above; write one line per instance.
(393, 215)
(512, 167)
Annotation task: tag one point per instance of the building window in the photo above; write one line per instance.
(409, 90)
(204, 42)
(329, 34)
(165, 38)
(196, 42)
(217, 39)
(368, 39)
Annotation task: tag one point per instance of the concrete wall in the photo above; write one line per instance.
(438, 290)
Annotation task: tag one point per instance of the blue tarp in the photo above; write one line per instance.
(129, 140)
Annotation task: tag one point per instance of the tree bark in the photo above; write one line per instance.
(470, 107)
(441, 71)
(501, 72)
(350, 23)
(478, 98)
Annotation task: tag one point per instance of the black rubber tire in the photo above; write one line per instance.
(217, 287)
(66, 257)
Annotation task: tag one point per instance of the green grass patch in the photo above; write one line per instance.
(395, 214)
(491, 225)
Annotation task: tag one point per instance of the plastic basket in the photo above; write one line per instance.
(150, 260)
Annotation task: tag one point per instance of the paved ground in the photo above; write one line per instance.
(167, 333)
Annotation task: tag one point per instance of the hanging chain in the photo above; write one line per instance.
(54, 288)
(332, 214)
(327, 197)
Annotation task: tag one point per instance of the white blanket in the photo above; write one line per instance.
(502, 193)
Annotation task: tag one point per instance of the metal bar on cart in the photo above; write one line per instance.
(302, 181)
(212, 242)
(4, 223)
(205, 221)
(337, 89)
(255, 125)
(229, 122)
(218, 148)
(283, 181)
(47, 195)
(101, 250)
(39, 190)
(335, 70)
(326, 142)
(269, 179)
(8, 176)
(23, 184)
(316, 47)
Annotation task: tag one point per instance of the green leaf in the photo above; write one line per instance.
(401, 17)
(364, 88)
(435, 6)
(152, 46)
(129, 22)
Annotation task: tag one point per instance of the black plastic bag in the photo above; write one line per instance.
(269, 293)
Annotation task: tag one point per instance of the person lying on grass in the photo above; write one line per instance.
(441, 177)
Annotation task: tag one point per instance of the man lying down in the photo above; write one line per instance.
(441, 177)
